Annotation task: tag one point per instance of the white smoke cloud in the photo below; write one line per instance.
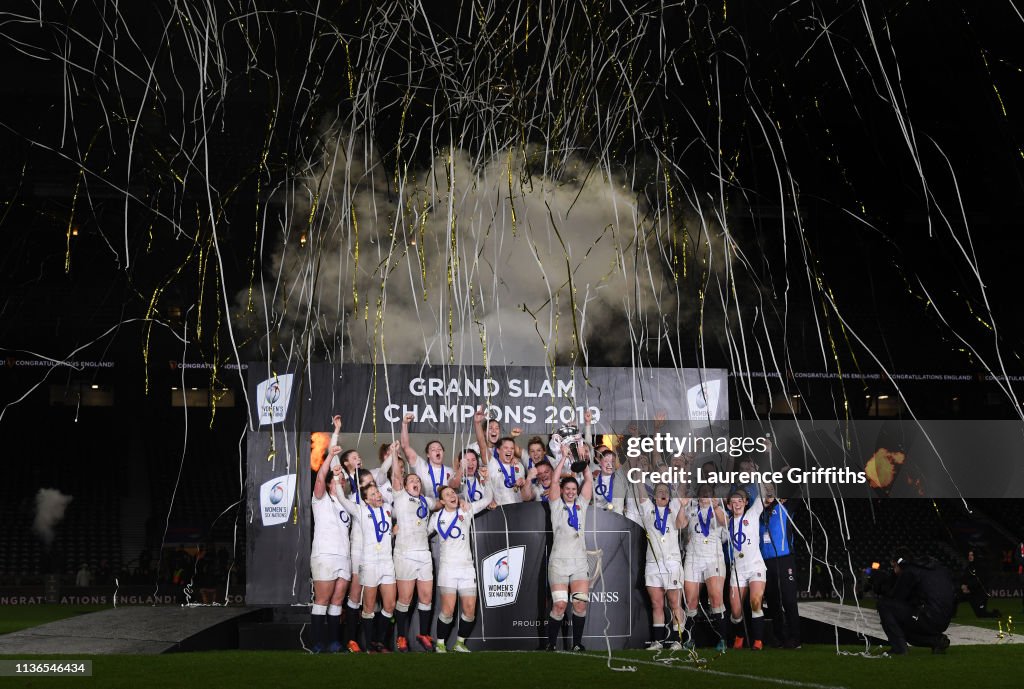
(50, 506)
(467, 258)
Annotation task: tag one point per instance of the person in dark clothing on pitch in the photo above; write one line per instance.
(781, 589)
(916, 603)
(1018, 564)
(974, 586)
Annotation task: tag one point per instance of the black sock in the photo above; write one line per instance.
(332, 628)
(554, 630)
(425, 618)
(737, 628)
(757, 628)
(402, 622)
(658, 632)
(366, 631)
(723, 626)
(351, 625)
(444, 630)
(577, 629)
(466, 627)
(688, 627)
(316, 628)
(381, 626)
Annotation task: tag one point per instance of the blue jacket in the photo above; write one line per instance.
(776, 532)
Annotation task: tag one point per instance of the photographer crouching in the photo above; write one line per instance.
(916, 603)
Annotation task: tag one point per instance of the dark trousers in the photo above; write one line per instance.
(978, 602)
(780, 594)
(900, 627)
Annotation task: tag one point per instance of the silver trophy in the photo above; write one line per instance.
(572, 437)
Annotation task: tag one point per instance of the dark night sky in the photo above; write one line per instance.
(873, 236)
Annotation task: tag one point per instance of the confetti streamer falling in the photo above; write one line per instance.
(565, 184)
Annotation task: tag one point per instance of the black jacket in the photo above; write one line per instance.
(928, 587)
(975, 577)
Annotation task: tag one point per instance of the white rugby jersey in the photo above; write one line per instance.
(472, 488)
(387, 491)
(432, 477)
(411, 516)
(330, 527)
(452, 528)
(475, 447)
(633, 494)
(610, 491)
(744, 539)
(540, 491)
(662, 534)
(368, 520)
(380, 478)
(699, 545)
(497, 474)
(567, 541)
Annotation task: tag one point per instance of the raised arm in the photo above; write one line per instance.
(389, 458)
(320, 486)
(587, 490)
(720, 515)
(481, 436)
(398, 473)
(455, 482)
(346, 502)
(336, 435)
(527, 489)
(588, 428)
(681, 519)
(516, 432)
(410, 454)
(757, 507)
(407, 448)
(555, 490)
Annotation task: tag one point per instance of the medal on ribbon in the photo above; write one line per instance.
(379, 527)
(452, 531)
(436, 483)
(705, 526)
(510, 476)
(605, 491)
(661, 520)
(737, 537)
(573, 516)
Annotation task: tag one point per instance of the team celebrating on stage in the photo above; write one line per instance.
(372, 529)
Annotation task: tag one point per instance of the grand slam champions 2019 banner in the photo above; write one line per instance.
(512, 541)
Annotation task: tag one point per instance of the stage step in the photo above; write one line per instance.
(139, 629)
